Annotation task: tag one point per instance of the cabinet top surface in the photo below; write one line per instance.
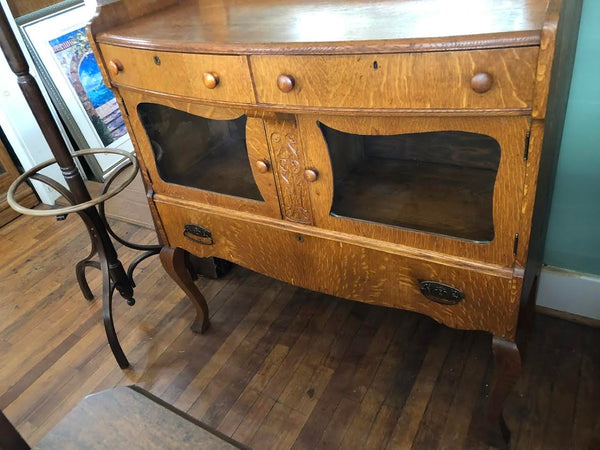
(245, 26)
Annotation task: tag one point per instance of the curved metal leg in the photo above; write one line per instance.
(108, 289)
(138, 260)
(80, 269)
(87, 261)
(173, 260)
(508, 370)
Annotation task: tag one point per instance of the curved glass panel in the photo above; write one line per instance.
(202, 153)
(436, 182)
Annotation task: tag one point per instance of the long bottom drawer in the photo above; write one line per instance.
(480, 301)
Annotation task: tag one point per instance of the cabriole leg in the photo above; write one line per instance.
(173, 260)
(508, 370)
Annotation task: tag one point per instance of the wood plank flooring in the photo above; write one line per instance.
(280, 367)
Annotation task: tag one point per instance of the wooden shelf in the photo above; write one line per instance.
(224, 172)
(443, 199)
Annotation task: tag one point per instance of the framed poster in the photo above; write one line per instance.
(57, 41)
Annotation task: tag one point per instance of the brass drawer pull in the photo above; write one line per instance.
(440, 292)
(198, 234)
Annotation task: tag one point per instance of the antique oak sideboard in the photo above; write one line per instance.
(399, 153)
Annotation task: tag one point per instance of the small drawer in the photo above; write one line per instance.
(478, 79)
(210, 77)
(456, 296)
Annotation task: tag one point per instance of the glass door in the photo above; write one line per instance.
(198, 152)
(449, 185)
(214, 155)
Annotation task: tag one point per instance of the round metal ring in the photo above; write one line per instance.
(10, 195)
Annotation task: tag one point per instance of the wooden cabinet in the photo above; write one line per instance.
(408, 163)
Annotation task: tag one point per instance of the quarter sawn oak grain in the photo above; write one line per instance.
(497, 69)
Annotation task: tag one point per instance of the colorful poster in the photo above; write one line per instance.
(78, 63)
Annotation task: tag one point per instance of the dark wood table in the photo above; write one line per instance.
(131, 418)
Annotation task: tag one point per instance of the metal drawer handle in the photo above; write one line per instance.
(440, 292)
(198, 234)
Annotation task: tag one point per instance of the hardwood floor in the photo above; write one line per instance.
(280, 367)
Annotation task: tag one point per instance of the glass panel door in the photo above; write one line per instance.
(450, 185)
(198, 152)
(438, 182)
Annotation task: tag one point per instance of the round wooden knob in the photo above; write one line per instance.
(210, 80)
(114, 67)
(285, 83)
(262, 166)
(482, 82)
(311, 175)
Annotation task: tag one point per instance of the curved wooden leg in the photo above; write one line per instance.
(82, 280)
(173, 260)
(109, 326)
(87, 261)
(508, 370)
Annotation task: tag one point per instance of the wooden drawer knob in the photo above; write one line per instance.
(482, 82)
(262, 166)
(114, 67)
(311, 175)
(210, 79)
(285, 83)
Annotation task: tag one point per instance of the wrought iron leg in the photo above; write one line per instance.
(508, 370)
(173, 260)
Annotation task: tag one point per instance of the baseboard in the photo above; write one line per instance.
(568, 316)
(569, 292)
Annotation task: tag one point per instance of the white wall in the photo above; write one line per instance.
(19, 124)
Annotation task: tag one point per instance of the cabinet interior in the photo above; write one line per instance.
(198, 152)
(437, 182)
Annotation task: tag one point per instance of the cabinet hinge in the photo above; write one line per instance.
(526, 152)
(516, 244)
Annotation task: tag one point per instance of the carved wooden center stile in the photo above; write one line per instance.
(286, 153)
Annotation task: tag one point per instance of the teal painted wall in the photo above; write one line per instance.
(573, 240)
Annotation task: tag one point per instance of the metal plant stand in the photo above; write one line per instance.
(91, 211)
